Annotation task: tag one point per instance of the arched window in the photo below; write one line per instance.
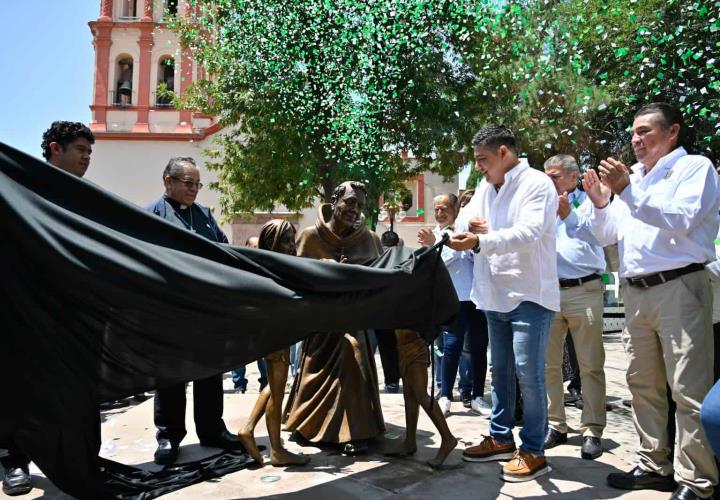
(165, 82)
(123, 95)
(128, 10)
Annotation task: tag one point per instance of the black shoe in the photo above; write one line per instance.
(16, 481)
(591, 448)
(571, 396)
(224, 440)
(166, 452)
(638, 479)
(114, 404)
(554, 438)
(355, 448)
(684, 493)
(392, 388)
(466, 399)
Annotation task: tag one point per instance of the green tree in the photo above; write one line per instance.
(569, 75)
(315, 92)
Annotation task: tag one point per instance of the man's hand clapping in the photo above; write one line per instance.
(598, 192)
(426, 237)
(614, 174)
(563, 205)
(479, 225)
(463, 241)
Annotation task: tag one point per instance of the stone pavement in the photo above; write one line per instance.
(128, 437)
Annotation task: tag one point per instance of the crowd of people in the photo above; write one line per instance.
(525, 253)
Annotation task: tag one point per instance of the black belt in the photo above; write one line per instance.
(663, 276)
(569, 283)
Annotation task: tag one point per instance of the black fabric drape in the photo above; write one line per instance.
(100, 300)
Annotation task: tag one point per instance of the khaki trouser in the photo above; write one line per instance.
(581, 311)
(668, 337)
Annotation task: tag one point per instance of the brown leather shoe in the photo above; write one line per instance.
(488, 450)
(524, 467)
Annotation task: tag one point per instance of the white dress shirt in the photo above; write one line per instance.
(665, 219)
(459, 264)
(577, 258)
(517, 260)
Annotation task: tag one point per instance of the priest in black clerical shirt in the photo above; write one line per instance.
(182, 183)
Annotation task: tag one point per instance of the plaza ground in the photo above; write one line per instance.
(128, 437)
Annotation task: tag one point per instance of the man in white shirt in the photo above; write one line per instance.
(511, 223)
(664, 218)
(580, 264)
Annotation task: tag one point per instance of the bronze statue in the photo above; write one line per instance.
(335, 397)
(414, 361)
(277, 236)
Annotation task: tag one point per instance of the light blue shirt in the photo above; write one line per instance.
(577, 257)
(459, 265)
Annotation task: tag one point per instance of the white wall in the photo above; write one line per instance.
(133, 169)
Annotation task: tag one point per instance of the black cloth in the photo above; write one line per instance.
(137, 484)
(102, 300)
(14, 458)
(170, 405)
(570, 366)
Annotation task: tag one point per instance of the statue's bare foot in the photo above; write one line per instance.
(402, 450)
(446, 447)
(248, 441)
(284, 457)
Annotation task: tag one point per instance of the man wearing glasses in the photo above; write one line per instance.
(182, 183)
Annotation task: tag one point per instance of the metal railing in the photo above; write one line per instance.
(162, 101)
(122, 99)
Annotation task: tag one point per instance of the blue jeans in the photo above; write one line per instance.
(465, 369)
(472, 322)
(295, 357)
(239, 380)
(710, 417)
(518, 343)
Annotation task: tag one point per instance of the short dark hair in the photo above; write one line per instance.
(339, 191)
(669, 114)
(64, 133)
(466, 196)
(175, 165)
(389, 239)
(494, 136)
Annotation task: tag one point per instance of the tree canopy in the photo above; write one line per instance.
(315, 92)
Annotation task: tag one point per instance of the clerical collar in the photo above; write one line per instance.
(176, 204)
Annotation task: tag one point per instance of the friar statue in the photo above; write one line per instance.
(334, 399)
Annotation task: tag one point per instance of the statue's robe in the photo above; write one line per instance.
(335, 397)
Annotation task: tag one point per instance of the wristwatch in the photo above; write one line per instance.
(476, 248)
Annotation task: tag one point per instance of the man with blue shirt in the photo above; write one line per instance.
(580, 264)
(665, 220)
